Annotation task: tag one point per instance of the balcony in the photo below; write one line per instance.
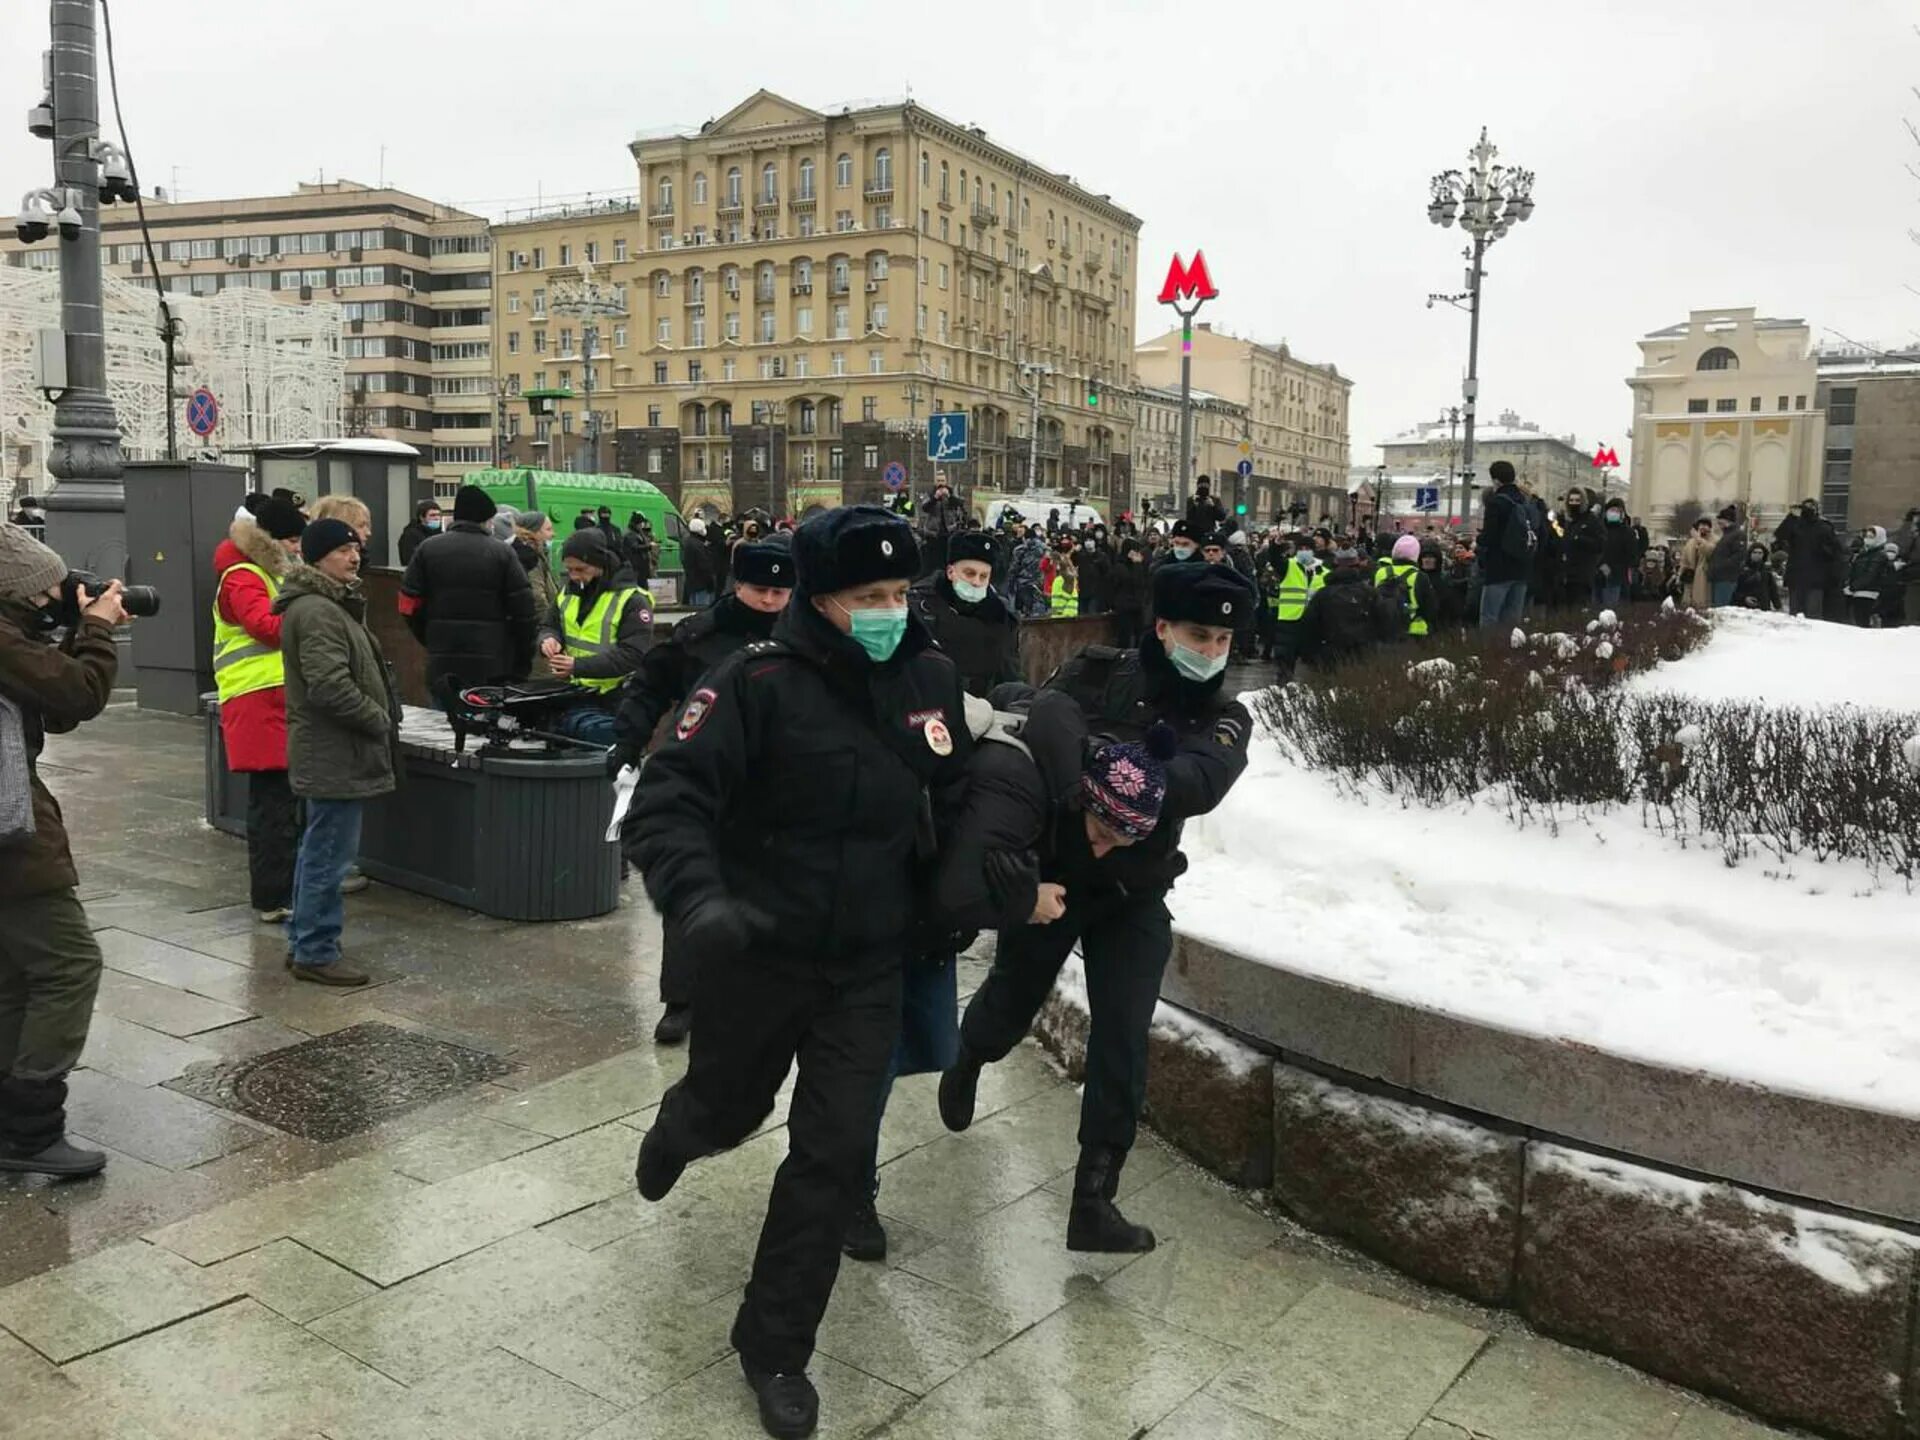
(729, 205)
(878, 189)
(660, 212)
(803, 201)
(1093, 262)
(839, 288)
(803, 287)
(766, 204)
(983, 217)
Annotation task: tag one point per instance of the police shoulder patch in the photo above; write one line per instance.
(699, 705)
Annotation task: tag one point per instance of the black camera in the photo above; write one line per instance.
(139, 600)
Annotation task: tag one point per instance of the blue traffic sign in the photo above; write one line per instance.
(947, 437)
(1426, 498)
(203, 412)
(1246, 469)
(895, 475)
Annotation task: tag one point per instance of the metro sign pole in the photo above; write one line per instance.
(1193, 284)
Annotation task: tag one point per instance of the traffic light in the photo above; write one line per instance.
(1239, 509)
(1093, 395)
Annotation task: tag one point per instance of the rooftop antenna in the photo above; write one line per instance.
(383, 167)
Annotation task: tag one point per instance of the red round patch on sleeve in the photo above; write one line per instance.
(699, 705)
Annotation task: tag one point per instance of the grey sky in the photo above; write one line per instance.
(1720, 152)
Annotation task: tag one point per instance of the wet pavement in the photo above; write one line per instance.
(272, 1253)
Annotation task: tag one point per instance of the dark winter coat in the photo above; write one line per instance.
(938, 519)
(1582, 542)
(795, 780)
(1728, 556)
(1757, 588)
(1813, 549)
(1619, 551)
(1870, 573)
(983, 639)
(637, 547)
(1129, 586)
(1122, 694)
(697, 562)
(669, 671)
(342, 717)
(1205, 514)
(467, 599)
(1345, 620)
(412, 538)
(56, 687)
(1506, 507)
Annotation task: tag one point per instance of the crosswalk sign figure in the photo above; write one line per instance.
(947, 437)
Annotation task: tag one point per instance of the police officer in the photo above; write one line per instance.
(1175, 675)
(968, 617)
(778, 829)
(763, 579)
(1296, 581)
(597, 633)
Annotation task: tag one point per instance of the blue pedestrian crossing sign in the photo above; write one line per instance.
(947, 437)
(1426, 498)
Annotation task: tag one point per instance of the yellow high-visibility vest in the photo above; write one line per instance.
(1062, 603)
(1296, 589)
(596, 632)
(241, 664)
(1416, 622)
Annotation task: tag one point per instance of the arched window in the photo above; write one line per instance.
(806, 179)
(976, 192)
(769, 181)
(700, 188)
(696, 286)
(1719, 358)
(946, 187)
(733, 186)
(843, 172)
(883, 168)
(666, 192)
(803, 272)
(924, 167)
(1026, 213)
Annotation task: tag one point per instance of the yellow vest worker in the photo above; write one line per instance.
(595, 629)
(1063, 600)
(1296, 588)
(1410, 576)
(241, 664)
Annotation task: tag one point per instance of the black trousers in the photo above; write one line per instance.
(273, 838)
(753, 1015)
(676, 967)
(1286, 646)
(1125, 945)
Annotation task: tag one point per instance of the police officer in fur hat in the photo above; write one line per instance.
(1173, 676)
(762, 581)
(967, 615)
(797, 775)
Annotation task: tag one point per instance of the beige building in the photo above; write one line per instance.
(1725, 411)
(802, 289)
(1296, 415)
(1219, 430)
(411, 278)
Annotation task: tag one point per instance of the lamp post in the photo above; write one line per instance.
(1452, 416)
(588, 299)
(1488, 200)
(1379, 495)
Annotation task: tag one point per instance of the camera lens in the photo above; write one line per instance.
(140, 600)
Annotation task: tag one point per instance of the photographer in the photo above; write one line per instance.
(49, 962)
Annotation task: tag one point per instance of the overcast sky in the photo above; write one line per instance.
(1712, 153)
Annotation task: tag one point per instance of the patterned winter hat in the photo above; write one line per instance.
(1124, 784)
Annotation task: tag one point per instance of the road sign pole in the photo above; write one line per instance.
(1192, 283)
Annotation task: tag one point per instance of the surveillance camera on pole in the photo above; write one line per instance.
(36, 216)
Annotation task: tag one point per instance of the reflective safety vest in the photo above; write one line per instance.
(1289, 602)
(241, 664)
(595, 632)
(1387, 569)
(1062, 603)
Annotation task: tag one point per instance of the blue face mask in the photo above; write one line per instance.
(1194, 665)
(1183, 552)
(430, 524)
(969, 592)
(878, 632)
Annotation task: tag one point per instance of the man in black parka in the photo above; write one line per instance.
(779, 830)
(968, 617)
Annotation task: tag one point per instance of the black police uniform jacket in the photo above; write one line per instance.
(795, 778)
(1122, 693)
(983, 639)
(669, 671)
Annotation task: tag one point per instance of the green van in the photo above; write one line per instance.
(561, 495)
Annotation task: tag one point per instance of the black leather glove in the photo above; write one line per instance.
(619, 757)
(722, 927)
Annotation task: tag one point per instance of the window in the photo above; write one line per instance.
(1783, 403)
(803, 320)
(1725, 407)
(619, 247)
(1756, 403)
(920, 320)
(876, 267)
(878, 319)
(259, 246)
(926, 167)
(839, 322)
(664, 240)
(941, 333)
(1718, 358)
(1840, 408)
(926, 222)
(945, 189)
(870, 457)
(876, 362)
(659, 372)
(769, 181)
(663, 330)
(883, 169)
(540, 303)
(733, 325)
(697, 331)
(1836, 484)
(619, 337)
(730, 281)
(842, 275)
(204, 249)
(806, 224)
(593, 252)
(733, 186)
(566, 340)
(869, 407)
(179, 250)
(842, 221)
(653, 416)
(836, 463)
(838, 362)
(766, 327)
(313, 244)
(513, 342)
(759, 459)
(289, 279)
(665, 193)
(729, 369)
(313, 277)
(803, 273)
(654, 459)
(513, 302)
(808, 462)
(566, 254)
(347, 275)
(700, 188)
(694, 373)
(663, 284)
(842, 172)
(539, 342)
(805, 191)
(1799, 402)
(943, 276)
(539, 257)
(801, 367)
(1696, 407)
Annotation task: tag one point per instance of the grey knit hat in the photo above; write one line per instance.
(27, 568)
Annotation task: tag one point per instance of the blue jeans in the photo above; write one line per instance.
(1609, 595)
(327, 850)
(1502, 602)
(929, 1040)
(591, 723)
(1720, 592)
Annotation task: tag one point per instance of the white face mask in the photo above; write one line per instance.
(968, 591)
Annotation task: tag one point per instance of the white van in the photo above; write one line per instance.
(1033, 508)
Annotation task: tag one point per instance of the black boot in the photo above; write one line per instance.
(865, 1237)
(1095, 1222)
(673, 1025)
(958, 1088)
(789, 1405)
(658, 1167)
(33, 1131)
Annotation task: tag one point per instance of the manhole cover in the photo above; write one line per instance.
(340, 1084)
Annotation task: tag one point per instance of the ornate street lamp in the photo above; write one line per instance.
(1488, 200)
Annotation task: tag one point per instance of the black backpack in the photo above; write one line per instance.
(1393, 596)
(1517, 540)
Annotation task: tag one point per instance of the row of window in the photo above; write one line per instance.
(463, 385)
(1732, 406)
(260, 247)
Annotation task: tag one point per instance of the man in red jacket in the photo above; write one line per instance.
(251, 563)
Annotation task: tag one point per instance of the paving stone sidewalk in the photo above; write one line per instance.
(480, 1266)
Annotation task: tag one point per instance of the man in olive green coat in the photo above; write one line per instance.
(342, 720)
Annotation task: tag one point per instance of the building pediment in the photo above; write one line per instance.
(763, 110)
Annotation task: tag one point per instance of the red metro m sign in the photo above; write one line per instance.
(1189, 282)
(1606, 457)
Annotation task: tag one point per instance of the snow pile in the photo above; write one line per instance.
(1852, 1255)
(1435, 672)
(1785, 660)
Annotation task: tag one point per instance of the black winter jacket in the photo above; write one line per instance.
(1129, 586)
(983, 639)
(1506, 507)
(1619, 551)
(1729, 554)
(1582, 542)
(1813, 549)
(795, 779)
(1345, 620)
(466, 598)
(696, 560)
(669, 671)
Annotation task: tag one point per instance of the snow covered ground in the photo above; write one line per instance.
(1606, 933)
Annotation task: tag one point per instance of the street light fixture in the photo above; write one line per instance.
(1488, 200)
